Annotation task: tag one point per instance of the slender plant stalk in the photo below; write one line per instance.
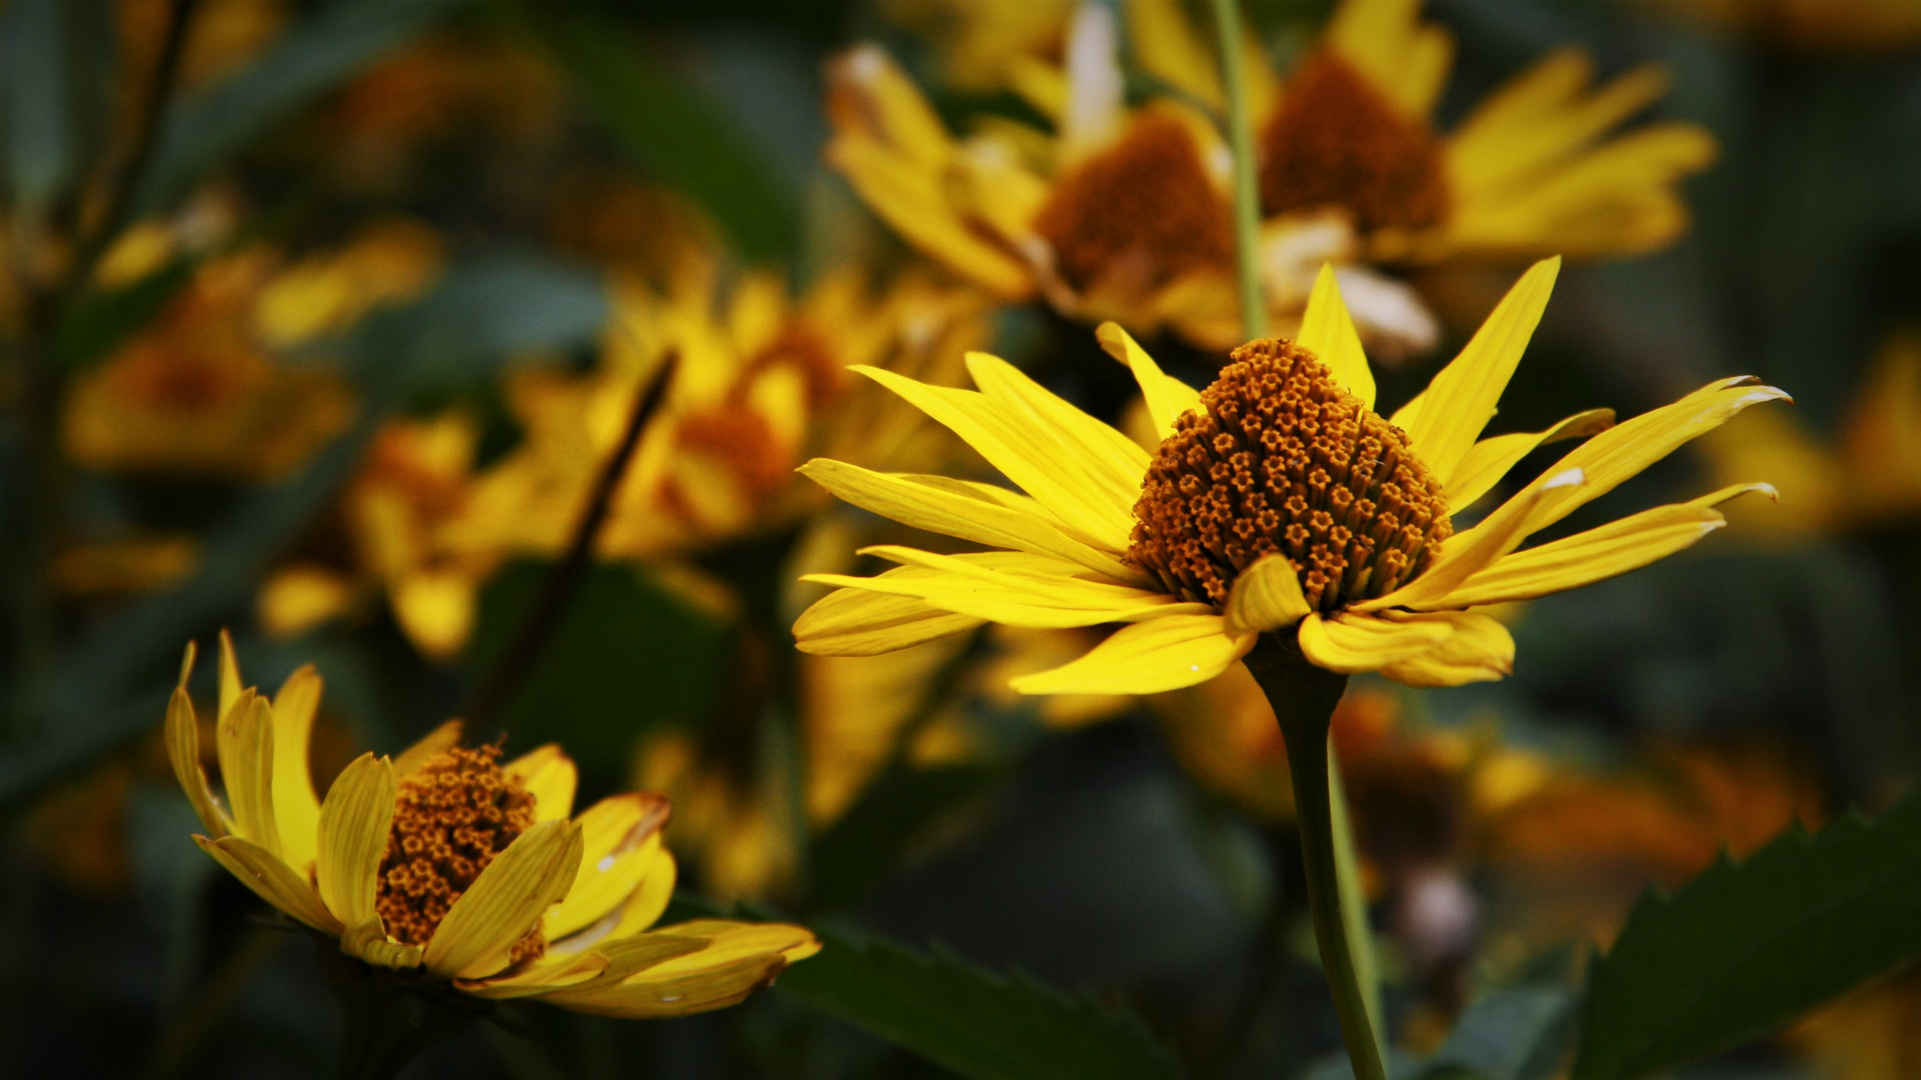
(517, 662)
(1304, 697)
(390, 1016)
(1247, 193)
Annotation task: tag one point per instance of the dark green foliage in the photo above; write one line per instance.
(99, 322)
(1747, 946)
(870, 841)
(672, 132)
(978, 1023)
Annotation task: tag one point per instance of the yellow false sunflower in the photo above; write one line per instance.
(1277, 501)
(446, 863)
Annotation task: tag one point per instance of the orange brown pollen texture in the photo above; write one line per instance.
(1285, 460)
(1143, 208)
(1336, 141)
(451, 818)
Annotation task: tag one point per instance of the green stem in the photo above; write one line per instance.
(390, 1016)
(1304, 697)
(1247, 193)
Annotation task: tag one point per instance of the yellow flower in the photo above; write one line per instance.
(1124, 214)
(1277, 501)
(445, 863)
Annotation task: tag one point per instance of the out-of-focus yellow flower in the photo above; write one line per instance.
(1870, 476)
(1277, 502)
(194, 392)
(136, 564)
(759, 381)
(416, 478)
(986, 44)
(199, 391)
(444, 862)
(224, 36)
(1812, 25)
(1871, 1034)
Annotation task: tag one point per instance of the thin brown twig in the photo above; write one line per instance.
(517, 661)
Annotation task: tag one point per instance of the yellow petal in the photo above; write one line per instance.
(296, 809)
(505, 901)
(1491, 458)
(229, 676)
(1266, 596)
(263, 872)
(438, 741)
(550, 776)
(1015, 588)
(1599, 553)
(1462, 398)
(1105, 453)
(650, 899)
(1622, 451)
(1328, 331)
(1479, 650)
(543, 976)
(739, 959)
(1468, 553)
(957, 510)
(183, 751)
(1352, 642)
(619, 837)
(1167, 398)
(1028, 455)
(369, 941)
(353, 828)
(245, 747)
(1147, 658)
(857, 622)
(187, 662)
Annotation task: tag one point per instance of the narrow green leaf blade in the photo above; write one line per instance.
(975, 1022)
(1745, 947)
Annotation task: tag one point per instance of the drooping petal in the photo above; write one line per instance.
(957, 510)
(1266, 596)
(1491, 458)
(550, 776)
(183, 752)
(619, 836)
(438, 741)
(650, 899)
(1328, 331)
(1463, 396)
(1480, 650)
(245, 746)
(1166, 397)
(857, 622)
(1147, 658)
(1624, 450)
(296, 809)
(1014, 588)
(352, 831)
(505, 901)
(739, 959)
(1351, 642)
(1596, 554)
(369, 941)
(1027, 455)
(263, 872)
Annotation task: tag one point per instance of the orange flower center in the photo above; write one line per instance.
(451, 818)
(1335, 141)
(1141, 212)
(1284, 460)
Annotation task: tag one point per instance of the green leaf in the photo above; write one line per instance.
(975, 1022)
(1518, 1033)
(327, 49)
(673, 132)
(1745, 947)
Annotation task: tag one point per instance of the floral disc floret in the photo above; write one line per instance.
(1284, 460)
(451, 818)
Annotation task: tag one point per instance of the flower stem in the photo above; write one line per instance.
(1304, 697)
(1247, 195)
(391, 1016)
